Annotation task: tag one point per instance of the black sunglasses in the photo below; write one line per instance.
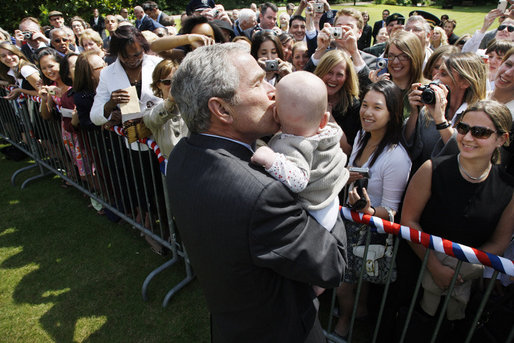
(479, 132)
(509, 28)
(165, 82)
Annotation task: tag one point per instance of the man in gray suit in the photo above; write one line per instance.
(255, 250)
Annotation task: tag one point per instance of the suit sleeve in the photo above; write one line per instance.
(284, 238)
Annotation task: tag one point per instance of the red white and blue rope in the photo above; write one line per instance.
(459, 251)
(163, 162)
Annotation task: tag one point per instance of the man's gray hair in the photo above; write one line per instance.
(205, 73)
(246, 15)
(53, 31)
(426, 25)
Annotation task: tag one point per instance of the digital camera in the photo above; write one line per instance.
(381, 65)
(363, 171)
(336, 32)
(427, 93)
(27, 35)
(271, 65)
(319, 7)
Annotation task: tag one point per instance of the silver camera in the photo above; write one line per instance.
(336, 32)
(271, 65)
(363, 171)
(27, 35)
(214, 12)
(319, 7)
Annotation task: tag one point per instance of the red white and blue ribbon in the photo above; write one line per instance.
(163, 162)
(459, 251)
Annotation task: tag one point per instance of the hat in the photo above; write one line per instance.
(199, 4)
(395, 17)
(55, 14)
(429, 17)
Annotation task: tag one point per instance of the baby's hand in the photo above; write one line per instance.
(264, 156)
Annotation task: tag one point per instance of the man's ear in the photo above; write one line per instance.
(220, 109)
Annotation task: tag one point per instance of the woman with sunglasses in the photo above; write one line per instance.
(504, 32)
(466, 198)
(462, 78)
(164, 120)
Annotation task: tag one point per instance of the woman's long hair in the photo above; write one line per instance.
(350, 90)
(23, 62)
(470, 67)
(263, 36)
(410, 45)
(394, 103)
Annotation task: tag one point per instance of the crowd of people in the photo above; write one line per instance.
(404, 121)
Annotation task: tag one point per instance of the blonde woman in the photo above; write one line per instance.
(16, 69)
(337, 72)
(463, 76)
(438, 38)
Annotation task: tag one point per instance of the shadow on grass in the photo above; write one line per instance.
(75, 277)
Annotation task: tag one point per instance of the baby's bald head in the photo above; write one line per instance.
(301, 103)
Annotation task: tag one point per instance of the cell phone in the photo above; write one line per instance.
(362, 171)
(361, 203)
(502, 5)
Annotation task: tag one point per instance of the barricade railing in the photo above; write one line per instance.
(129, 184)
(461, 252)
(126, 181)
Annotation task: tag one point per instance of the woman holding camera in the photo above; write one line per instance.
(377, 147)
(267, 50)
(462, 78)
(405, 56)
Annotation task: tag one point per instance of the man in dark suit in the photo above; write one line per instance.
(152, 10)
(379, 24)
(144, 22)
(97, 23)
(255, 250)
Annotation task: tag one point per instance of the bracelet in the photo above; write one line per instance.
(374, 211)
(442, 126)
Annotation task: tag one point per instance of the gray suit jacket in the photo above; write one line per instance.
(255, 250)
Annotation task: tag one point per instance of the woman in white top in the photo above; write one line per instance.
(16, 69)
(377, 147)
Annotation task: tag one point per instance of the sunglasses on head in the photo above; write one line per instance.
(166, 82)
(479, 132)
(509, 28)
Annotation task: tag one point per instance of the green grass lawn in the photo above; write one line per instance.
(69, 275)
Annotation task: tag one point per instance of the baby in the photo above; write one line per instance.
(306, 155)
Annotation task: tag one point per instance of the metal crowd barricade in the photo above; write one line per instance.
(128, 183)
(431, 242)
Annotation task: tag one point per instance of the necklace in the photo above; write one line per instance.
(481, 177)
